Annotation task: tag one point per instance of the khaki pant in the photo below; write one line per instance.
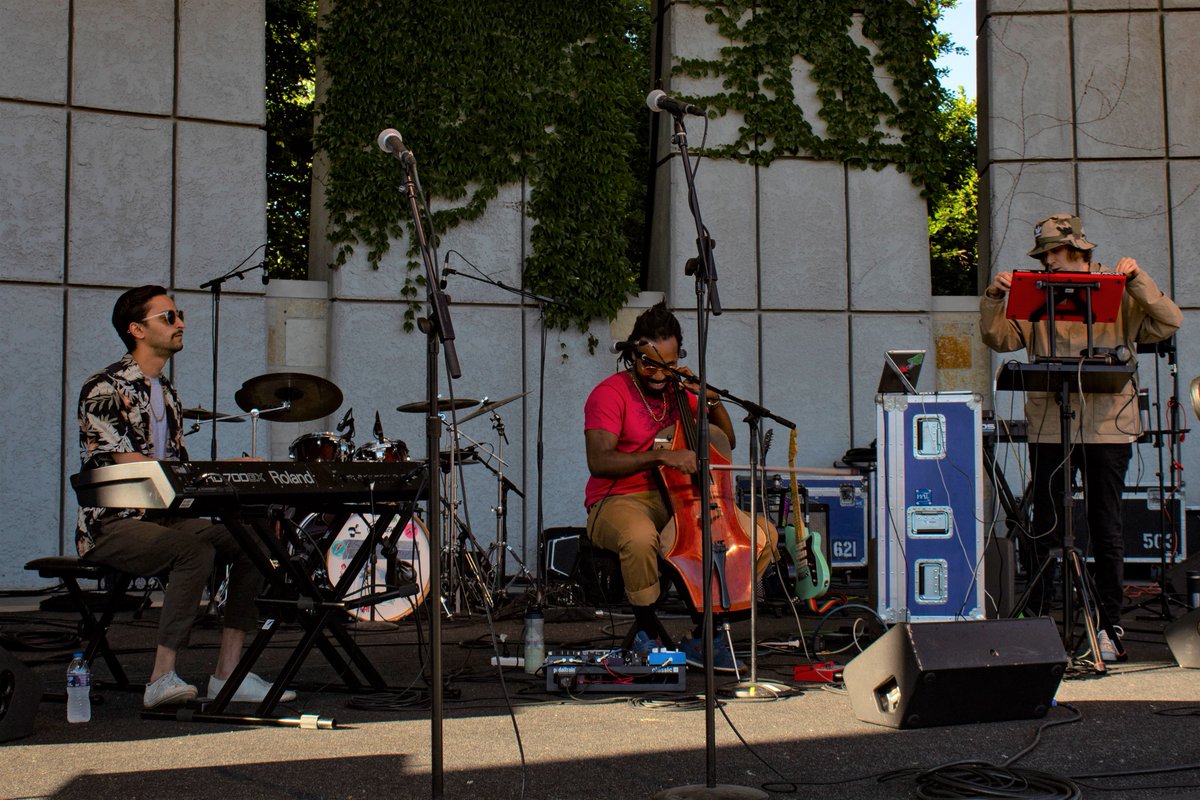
(630, 526)
(186, 549)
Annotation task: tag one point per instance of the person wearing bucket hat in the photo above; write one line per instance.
(1103, 426)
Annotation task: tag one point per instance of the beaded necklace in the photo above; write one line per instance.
(666, 406)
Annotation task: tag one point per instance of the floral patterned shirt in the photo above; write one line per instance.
(115, 417)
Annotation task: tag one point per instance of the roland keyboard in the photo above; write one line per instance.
(207, 487)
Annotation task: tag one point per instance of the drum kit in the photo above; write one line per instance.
(328, 542)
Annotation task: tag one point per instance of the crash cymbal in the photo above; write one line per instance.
(443, 404)
(488, 405)
(311, 396)
(205, 414)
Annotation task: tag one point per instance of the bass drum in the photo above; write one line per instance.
(412, 554)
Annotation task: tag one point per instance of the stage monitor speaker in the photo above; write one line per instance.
(1183, 637)
(948, 673)
(20, 693)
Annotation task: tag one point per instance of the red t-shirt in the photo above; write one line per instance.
(615, 406)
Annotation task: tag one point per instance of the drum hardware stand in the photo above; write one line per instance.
(215, 287)
(543, 303)
(457, 550)
(1165, 438)
(439, 331)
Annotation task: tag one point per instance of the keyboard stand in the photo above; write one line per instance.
(319, 610)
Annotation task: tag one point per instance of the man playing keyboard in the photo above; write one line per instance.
(129, 411)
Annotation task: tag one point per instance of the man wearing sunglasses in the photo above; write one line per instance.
(626, 510)
(129, 411)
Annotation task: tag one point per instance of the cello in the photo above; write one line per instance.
(682, 540)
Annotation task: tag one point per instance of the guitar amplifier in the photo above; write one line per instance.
(846, 497)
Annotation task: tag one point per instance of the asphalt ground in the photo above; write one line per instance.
(505, 736)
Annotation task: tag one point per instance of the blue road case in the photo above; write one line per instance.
(929, 507)
(846, 493)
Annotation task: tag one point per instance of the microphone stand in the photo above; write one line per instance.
(704, 269)
(437, 328)
(214, 286)
(543, 303)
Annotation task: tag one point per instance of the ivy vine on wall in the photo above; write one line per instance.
(550, 94)
(488, 94)
(864, 125)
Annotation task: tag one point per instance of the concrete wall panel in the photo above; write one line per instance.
(888, 242)
(1185, 228)
(124, 55)
(805, 380)
(726, 190)
(1028, 87)
(120, 193)
(221, 198)
(1124, 213)
(802, 235)
(32, 433)
(222, 67)
(1181, 31)
(1019, 195)
(33, 204)
(493, 246)
(1118, 98)
(33, 49)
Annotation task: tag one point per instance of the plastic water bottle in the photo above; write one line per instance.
(535, 641)
(79, 690)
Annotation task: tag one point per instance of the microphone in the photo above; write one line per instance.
(265, 277)
(378, 429)
(347, 422)
(658, 100)
(445, 271)
(625, 346)
(390, 141)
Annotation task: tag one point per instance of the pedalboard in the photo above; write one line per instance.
(615, 670)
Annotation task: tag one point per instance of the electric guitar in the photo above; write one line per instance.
(812, 571)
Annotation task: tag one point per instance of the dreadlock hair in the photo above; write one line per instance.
(657, 322)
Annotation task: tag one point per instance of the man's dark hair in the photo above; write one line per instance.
(657, 322)
(131, 307)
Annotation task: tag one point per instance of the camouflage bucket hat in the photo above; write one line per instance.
(1056, 230)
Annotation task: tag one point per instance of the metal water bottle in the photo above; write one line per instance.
(79, 690)
(535, 641)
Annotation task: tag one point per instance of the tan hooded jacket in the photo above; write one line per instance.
(1146, 315)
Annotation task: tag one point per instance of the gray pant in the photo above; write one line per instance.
(185, 549)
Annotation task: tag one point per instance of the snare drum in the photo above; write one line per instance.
(384, 450)
(412, 555)
(321, 446)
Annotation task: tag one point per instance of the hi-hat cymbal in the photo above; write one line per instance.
(203, 414)
(310, 396)
(489, 405)
(443, 404)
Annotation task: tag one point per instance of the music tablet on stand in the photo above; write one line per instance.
(901, 368)
(1029, 296)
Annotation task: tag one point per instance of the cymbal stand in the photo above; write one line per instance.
(457, 553)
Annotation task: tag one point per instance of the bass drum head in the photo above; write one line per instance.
(412, 556)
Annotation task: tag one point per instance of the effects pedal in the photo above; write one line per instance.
(615, 670)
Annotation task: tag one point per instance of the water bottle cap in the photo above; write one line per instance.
(77, 655)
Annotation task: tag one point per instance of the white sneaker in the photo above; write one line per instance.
(252, 690)
(168, 689)
(1110, 651)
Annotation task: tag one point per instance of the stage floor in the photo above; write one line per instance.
(596, 746)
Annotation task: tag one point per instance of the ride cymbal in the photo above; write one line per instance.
(310, 396)
(489, 405)
(443, 404)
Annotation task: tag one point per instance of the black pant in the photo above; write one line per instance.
(1103, 469)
